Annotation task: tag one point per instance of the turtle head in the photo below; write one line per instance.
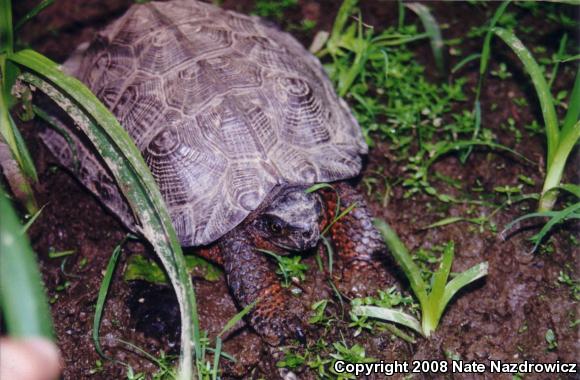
(291, 220)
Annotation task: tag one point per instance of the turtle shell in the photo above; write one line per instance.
(223, 108)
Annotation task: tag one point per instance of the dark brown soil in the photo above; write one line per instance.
(505, 317)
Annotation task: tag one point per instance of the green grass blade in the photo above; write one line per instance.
(568, 139)
(401, 14)
(446, 147)
(236, 318)
(28, 167)
(433, 311)
(32, 219)
(14, 140)
(483, 63)
(485, 51)
(339, 23)
(525, 217)
(330, 251)
(16, 179)
(446, 221)
(403, 258)
(337, 218)
(465, 278)
(54, 123)
(571, 188)
(573, 112)
(557, 62)
(571, 212)
(465, 61)
(319, 186)
(22, 300)
(440, 277)
(6, 31)
(216, 358)
(542, 89)
(434, 32)
(33, 12)
(102, 297)
(133, 177)
(390, 315)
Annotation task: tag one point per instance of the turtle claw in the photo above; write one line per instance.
(300, 336)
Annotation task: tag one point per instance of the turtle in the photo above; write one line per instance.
(236, 120)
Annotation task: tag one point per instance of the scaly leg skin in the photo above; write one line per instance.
(275, 317)
(355, 239)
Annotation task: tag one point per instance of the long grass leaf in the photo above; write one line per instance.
(465, 61)
(573, 112)
(216, 358)
(568, 139)
(542, 89)
(22, 299)
(14, 140)
(6, 31)
(447, 147)
(390, 315)
(557, 62)
(32, 219)
(133, 177)
(465, 278)
(102, 297)
(485, 51)
(236, 318)
(571, 188)
(337, 218)
(33, 13)
(15, 178)
(439, 281)
(571, 212)
(403, 258)
(483, 63)
(340, 22)
(434, 32)
(26, 158)
(446, 221)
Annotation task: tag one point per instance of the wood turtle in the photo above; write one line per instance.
(235, 119)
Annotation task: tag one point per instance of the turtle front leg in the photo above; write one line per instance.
(275, 317)
(354, 237)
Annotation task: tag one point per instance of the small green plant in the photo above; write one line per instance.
(561, 137)
(433, 297)
(320, 317)
(289, 267)
(291, 360)
(551, 340)
(354, 354)
(574, 285)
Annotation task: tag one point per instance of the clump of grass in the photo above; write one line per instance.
(560, 137)
(433, 296)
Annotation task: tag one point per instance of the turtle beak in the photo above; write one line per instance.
(308, 238)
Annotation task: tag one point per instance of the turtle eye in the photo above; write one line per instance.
(275, 226)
